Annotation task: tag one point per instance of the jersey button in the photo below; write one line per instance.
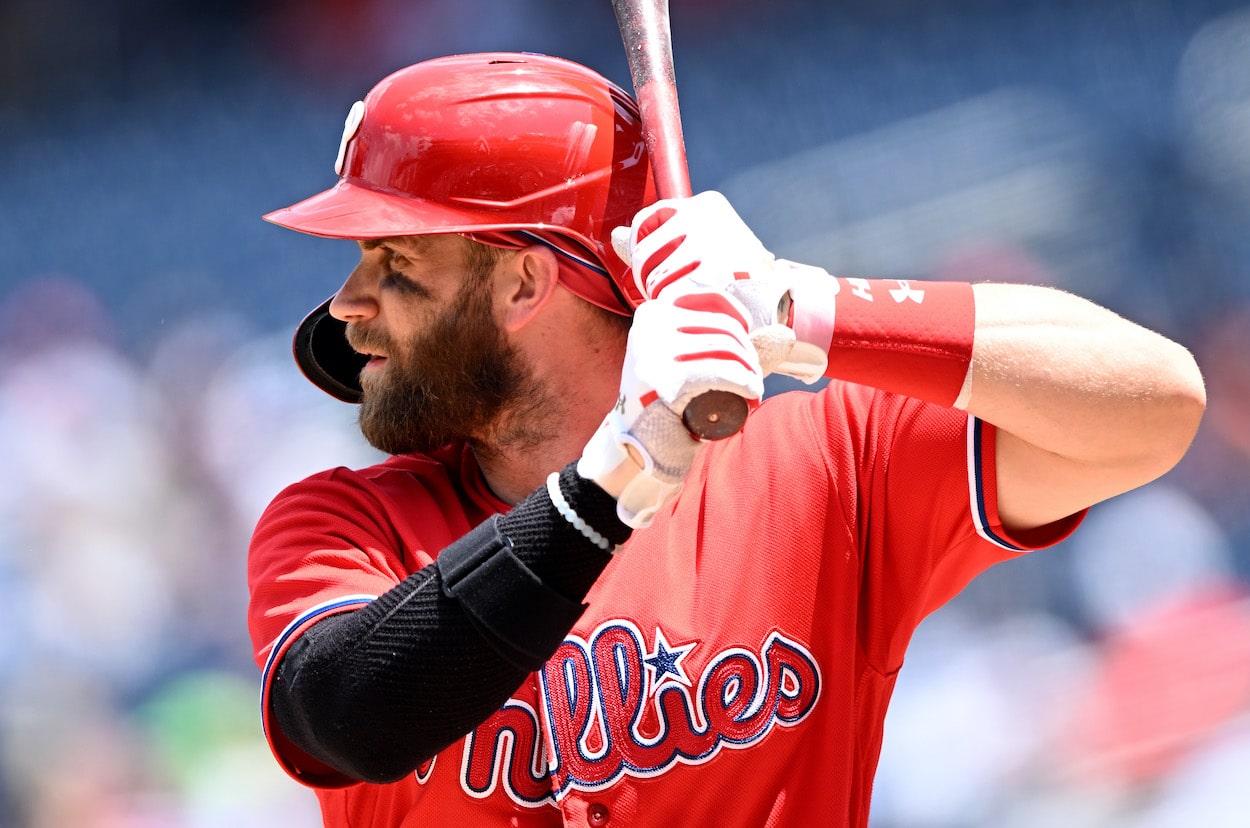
(597, 815)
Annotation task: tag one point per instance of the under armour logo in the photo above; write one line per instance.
(861, 288)
(905, 291)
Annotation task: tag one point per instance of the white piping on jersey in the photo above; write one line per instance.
(308, 614)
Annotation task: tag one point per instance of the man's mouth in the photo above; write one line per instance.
(375, 361)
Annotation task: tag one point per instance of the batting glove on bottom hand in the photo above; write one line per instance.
(702, 242)
(679, 347)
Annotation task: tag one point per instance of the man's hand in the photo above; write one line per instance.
(701, 242)
(688, 342)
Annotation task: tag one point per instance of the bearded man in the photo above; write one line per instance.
(553, 606)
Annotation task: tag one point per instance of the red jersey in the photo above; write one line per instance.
(737, 656)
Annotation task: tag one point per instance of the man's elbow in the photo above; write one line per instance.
(356, 749)
(369, 763)
(1184, 402)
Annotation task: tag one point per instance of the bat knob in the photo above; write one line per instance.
(715, 415)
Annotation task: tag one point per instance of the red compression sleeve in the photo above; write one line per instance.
(909, 337)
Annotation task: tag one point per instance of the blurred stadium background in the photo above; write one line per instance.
(149, 407)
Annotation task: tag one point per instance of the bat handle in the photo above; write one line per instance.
(715, 415)
(644, 24)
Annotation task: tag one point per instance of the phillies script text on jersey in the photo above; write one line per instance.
(620, 704)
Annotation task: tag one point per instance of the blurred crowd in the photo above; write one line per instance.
(149, 406)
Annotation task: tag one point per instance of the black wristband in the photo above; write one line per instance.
(593, 505)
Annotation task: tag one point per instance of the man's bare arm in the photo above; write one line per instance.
(1088, 405)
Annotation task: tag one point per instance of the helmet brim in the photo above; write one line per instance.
(355, 211)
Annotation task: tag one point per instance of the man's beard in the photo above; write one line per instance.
(459, 379)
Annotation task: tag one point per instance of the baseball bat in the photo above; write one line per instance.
(644, 24)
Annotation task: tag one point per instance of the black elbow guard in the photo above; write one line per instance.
(518, 613)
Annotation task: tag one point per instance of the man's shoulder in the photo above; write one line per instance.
(410, 495)
(396, 478)
(411, 466)
(828, 403)
(840, 405)
(440, 464)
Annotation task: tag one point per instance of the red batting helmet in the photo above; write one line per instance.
(481, 143)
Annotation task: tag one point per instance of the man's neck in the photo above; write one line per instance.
(512, 478)
(527, 445)
(515, 468)
(567, 398)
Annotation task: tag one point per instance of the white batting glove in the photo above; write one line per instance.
(698, 240)
(701, 241)
(679, 347)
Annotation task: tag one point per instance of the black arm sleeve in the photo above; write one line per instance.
(375, 692)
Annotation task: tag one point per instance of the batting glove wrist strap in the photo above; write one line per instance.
(792, 310)
(640, 487)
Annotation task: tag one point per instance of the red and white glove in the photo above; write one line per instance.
(701, 242)
(688, 342)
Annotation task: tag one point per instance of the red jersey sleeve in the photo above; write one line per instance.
(332, 543)
(924, 506)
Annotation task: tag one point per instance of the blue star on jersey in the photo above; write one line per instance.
(664, 664)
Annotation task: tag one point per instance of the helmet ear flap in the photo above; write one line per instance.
(325, 358)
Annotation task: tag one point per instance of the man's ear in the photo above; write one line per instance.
(527, 283)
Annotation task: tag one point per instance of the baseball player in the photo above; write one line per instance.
(552, 606)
